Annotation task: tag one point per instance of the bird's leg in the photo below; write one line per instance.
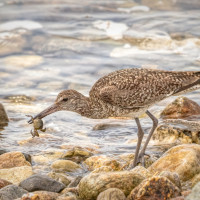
(43, 130)
(140, 136)
(155, 124)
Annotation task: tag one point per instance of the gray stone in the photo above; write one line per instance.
(11, 192)
(41, 182)
(195, 194)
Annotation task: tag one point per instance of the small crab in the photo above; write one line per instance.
(37, 125)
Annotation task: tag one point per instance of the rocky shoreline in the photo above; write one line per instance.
(78, 173)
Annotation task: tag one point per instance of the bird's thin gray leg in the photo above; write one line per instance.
(155, 124)
(140, 136)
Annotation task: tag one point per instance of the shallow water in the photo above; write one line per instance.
(47, 47)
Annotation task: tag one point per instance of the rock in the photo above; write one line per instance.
(11, 192)
(182, 159)
(195, 179)
(66, 197)
(154, 188)
(60, 177)
(182, 107)
(195, 194)
(111, 194)
(2, 151)
(75, 182)
(40, 195)
(41, 182)
(69, 193)
(95, 162)
(16, 174)
(103, 169)
(64, 166)
(172, 176)
(93, 184)
(13, 159)
(77, 154)
(105, 126)
(166, 134)
(3, 116)
(141, 170)
(4, 183)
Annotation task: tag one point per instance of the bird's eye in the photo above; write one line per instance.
(65, 99)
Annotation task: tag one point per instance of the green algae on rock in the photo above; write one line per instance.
(95, 183)
(154, 188)
(182, 159)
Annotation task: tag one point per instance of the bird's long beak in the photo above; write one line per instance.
(51, 109)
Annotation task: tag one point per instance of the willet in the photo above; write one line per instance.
(126, 93)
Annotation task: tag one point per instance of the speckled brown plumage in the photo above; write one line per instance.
(127, 92)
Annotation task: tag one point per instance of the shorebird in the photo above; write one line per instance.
(126, 93)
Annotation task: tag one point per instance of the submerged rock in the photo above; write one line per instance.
(13, 159)
(195, 194)
(16, 174)
(77, 154)
(95, 183)
(154, 188)
(182, 107)
(111, 194)
(64, 166)
(41, 182)
(182, 159)
(11, 192)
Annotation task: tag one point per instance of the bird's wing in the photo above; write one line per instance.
(146, 89)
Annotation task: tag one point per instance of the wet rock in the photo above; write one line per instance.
(11, 192)
(195, 194)
(20, 99)
(105, 126)
(93, 184)
(195, 179)
(103, 169)
(40, 195)
(2, 151)
(154, 188)
(75, 182)
(172, 176)
(13, 159)
(64, 166)
(95, 162)
(23, 61)
(77, 154)
(182, 107)
(16, 174)
(60, 177)
(111, 194)
(4, 183)
(182, 159)
(166, 134)
(3, 116)
(41, 182)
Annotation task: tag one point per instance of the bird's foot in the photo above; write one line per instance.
(141, 159)
(43, 130)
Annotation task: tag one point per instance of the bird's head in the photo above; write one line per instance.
(69, 100)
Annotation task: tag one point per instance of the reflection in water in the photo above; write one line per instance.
(48, 47)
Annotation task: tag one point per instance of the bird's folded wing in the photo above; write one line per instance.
(145, 93)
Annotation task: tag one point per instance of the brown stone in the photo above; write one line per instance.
(154, 188)
(182, 107)
(111, 194)
(4, 183)
(40, 195)
(13, 159)
(182, 159)
(93, 184)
